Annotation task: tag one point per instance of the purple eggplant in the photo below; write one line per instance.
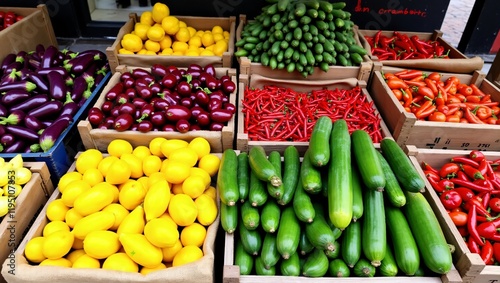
(175, 113)
(22, 132)
(145, 126)
(182, 126)
(48, 56)
(9, 78)
(24, 73)
(9, 59)
(79, 64)
(79, 87)
(210, 69)
(23, 85)
(3, 111)
(70, 107)
(52, 133)
(14, 118)
(158, 118)
(17, 147)
(144, 92)
(98, 55)
(3, 131)
(139, 73)
(66, 117)
(114, 91)
(31, 103)
(159, 71)
(33, 64)
(221, 115)
(95, 117)
(7, 139)
(14, 66)
(228, 87)
(48, 109)
(33, 123)
(123, 122)
(216, 126)
(107, 106)
(41, 83)
(183, 88)
(57, 87)
(169, 81)
(39, 49)
(46, 71)
(15, 96)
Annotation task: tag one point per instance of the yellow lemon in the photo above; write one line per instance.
(185, 155)
(165, 43)
(182, 34)
(74, 255)
(117, 147)
(182, 24)
(177, 189)
(170, 252)
(143, 51)
(93, 176)
(169, 219)
(193, 234)
(125, 51)
(217, 29)
(133, 223)
(120, 213)
(56, 210)
(54, 226)
(210, 48)
(57, 244)
(132, 194)
(88, 159)
(131, 42)
(200, 145)
(192, 31)
(101, 244)
(226, 34)
(207, 209)
(135, 164)
(77, 244)
(182, 209)
(151, 45)
(161, 233)
(22, 175)
(178, 53)
(11, 190)
(147, 18)
(146, 271)
(164, 165)
(170, 24)
(86, 261)
(218, 36)
(151, 164)
(210, 163)
(186, 255)
(144, 181)
(140, 250)
(67, 178)
(72, 216)
(169, 146)
(191, 52)
(120, 262)
(178, 46)
(207, 53)
(195, 41)
(155, 146)
(167, 51)
(160, 11)
(105, 163)
(194, 186)
(220, 47)
(62, 262)
(73, 190)
(33, 250)
(156, 177)
(155, 33)
(211, 192)
(207, 39)
(195, 171)
(141, 30)
(118, 172)
(156, 200)
(176, 172)
(97, 221)
(141, 151)
(109, 187)
(95, 199)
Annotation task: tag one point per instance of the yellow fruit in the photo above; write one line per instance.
(182, 209)
(101, 244)
(191, 52)
(207, 53)
(151, 164)
(185, 155)
(166, 51)
(193, 234)
(220, 47)
(118, 172)
(207, 39)
(178, 46)
(164, 165)
(54, 226)
(192, 31)
(146, 271)
(131, 42)
(177, 189)
(178, 53)
(67, 178)
(93, 176)
(109, 187)
(156, 177)
(94, 199)
(56, 210)
(62, 262)
(182, 35)
(23, 175)
(98, 221)
(132, 194)
(194, 186)
(156, 200)
(77, 244)
(16, 162)
(195, 41)
(160, 11)
(155, 146)
(169, 219)
(226, 34)
(73, 190)
(147, 18)
(86, 261)
(210, 163)
(167, 147)
(141, 30)
(72, 217)
(125, 51)
(161, 233)
(105, 163)
(165, 43)
(33, 250)
(135, 164)
(207, 209)
(140, 250)
(143, 51)
(74, 255)
(133, 223)
(218, 36)
(117, 147)
(141, 151)
(182, 24)
(176, 172)
(57, 244)
(120, 213)
(170, 24)
(88, 159)
(155, 33)
(11, 190)
(151, 45)
(200, 145)
(186, 255)
(169, 253)
(195, 171)
(217, 29)
(120, 262)
(211, 192)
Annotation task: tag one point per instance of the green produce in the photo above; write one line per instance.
(262, 167)
(243, 259)
(305, 245)
(227, 183)
(229, 217)
(275, 191)
(288, 233)
(243, 176)
(318, 232)
(316, 264)
(338, 268)
(260, 268)
(291, 266)
(357, 193)
(388, 267)
(373, 232)
(302, 205)
(257, 193)
(367, 160)
(270, 216)
(319, 146)
(251, 239)
(393, 190)
(351, 244)
(364, 268)
(291, 169)
(250, 216)
(269, 254)
(310, 175)
(333, 254)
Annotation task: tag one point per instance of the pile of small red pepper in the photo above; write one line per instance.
(8, 18)
(431, 99)
(469, 189)
(400, 46)
(276, 113)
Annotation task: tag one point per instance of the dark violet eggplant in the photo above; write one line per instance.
(46, 71)
(144, 92)
(160, 104)
(125, 76)
(22, 132)
(175, 113)
(66, 117)
(21, 85)
(95, 117)
(9, 59)
(70, 108)
(9, 78)
(57, 86)
(182, 126)
(31, 103)
(3, 131)
(41, 84)
(138, 102)
(3, 111)
(129, 82)
(201, 97)
(131, 93)
(114, 91)
(33, 64)
(97, 55)
(158, 71)
(210, 69)
(48, 56)
(107, 106)
(187, 102)
(7, 139)
(48, 109)
(229, 106)
(146, 111)
(155, 88)
(142, 82)
(123, 122)
(127, 107)
(221, 115)
(15, 118)
(203, 118)
(139, 73)
(195, 111)
(17, 147)
(23, 73)
(14, 66)
(224, 78)
(144, 126)
(79, 64)
(52, 133)
(39, 49)
(228, 87)
(216, 126)
(158, 118)
(68, 81)
(15, 96)
(169, 81)
(168, 128)
(183, 88)
(33, 123)
(79, 87)
(195, 127)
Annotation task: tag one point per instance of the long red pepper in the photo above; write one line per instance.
(473, 246)
(465, 160)
(471, 226)
(472, 172)
(487, 253)
(470, 185)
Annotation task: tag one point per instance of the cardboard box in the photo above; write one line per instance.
(247, 67)
(99, 138)
(407, 130)
(203, 23)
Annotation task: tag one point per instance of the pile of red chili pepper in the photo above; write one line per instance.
(469, 189)
(431, 99)
(276, 113)
(400, 46)
(8, 18)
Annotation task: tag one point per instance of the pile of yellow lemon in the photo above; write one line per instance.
(13, 176)
(137, 209)
(159, 33)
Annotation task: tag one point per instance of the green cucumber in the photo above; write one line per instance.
(288, 235)
(408, 177)
(319, 147)
(257, 193)
(227, 180)
(291, 171)
(302, 204)
(351, 244)
(305, 245)
(393, 190)
(339, 176)
(357, 193)
(338, 268)
(367, 160)
(275, 191)
(300, 10)
(333, 254)
(251, 239)
(338, 5)
(262, 167)
(271, 9)
(250, 216)
(243, 176)
(316, 264)
(282, 5)
(406, 252)
(357, 49)
(373, 232)
(290, 266)
(363, 268)
(260, 268)
(310, 175)
(388, 267)
(243, 259)
(270, 216)
(428, 235)
(318, 232)
(269, 253)
(229, 217)
(325, 6)
(356, 58)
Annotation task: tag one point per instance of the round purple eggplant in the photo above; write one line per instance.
(178, 112)
(203, 118)
(114, 91)
(182, 126)
(127, 107)
(183, 88)
(221, 115)
(95, 117)
(7, 139)
(169, 81)
(215, 126)
(106, 107)
(123, 122)
(144, 126)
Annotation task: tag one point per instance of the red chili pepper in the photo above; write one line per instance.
(486, 199)
(471, 226)
(473, 246)
(483, 168)
(465, 193)
(451, 199)
(494, 204)
(465, 160)
(471, 118)
(474, 202)
(472, 172)
(487, 253)
(462, 176)
(427, 166)
(449, 169)
(471, 185)
(376, 38)
(446, 184)
(432, 175)
(489, 230)
(496, 251)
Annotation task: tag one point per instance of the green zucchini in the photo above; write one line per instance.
(257, 194)
(302, 204)
(316, 264)
(367, 160)
(333, 254)
(288, 235)
(305, 245)
(243, 176)
(338, 268)
(250, 215)
(227, 179)
(388, 267)
(243, 259)
(408, 177)
(310, 175)
(357, 193)
(269, 253)
(428, 235)
(340, 177)
(393, 190)
(319, 147)
(229, 217)
(262, 167)
(373, 232)
(351, 244)
(363, 268)
(406, 252)
(290, 266)
(260, 268)
(270, 216)
(275, 159)
(251, 239)
(318, 232)
(291, 171)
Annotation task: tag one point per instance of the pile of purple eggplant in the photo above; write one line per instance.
(167, 98)
(41, 91)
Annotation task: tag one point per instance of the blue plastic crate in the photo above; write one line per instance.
(60, 157)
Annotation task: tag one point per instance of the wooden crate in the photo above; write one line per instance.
(407, 130)
(29, 202)
(470, 265)
(256, 81)
(361, 72)
(99, 138)
(25, 35)
(204, 23)
(459, 63)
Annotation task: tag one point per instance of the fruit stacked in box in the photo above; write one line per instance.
(138, 209)
(8, 18)
(13, 177)
(347, 209)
